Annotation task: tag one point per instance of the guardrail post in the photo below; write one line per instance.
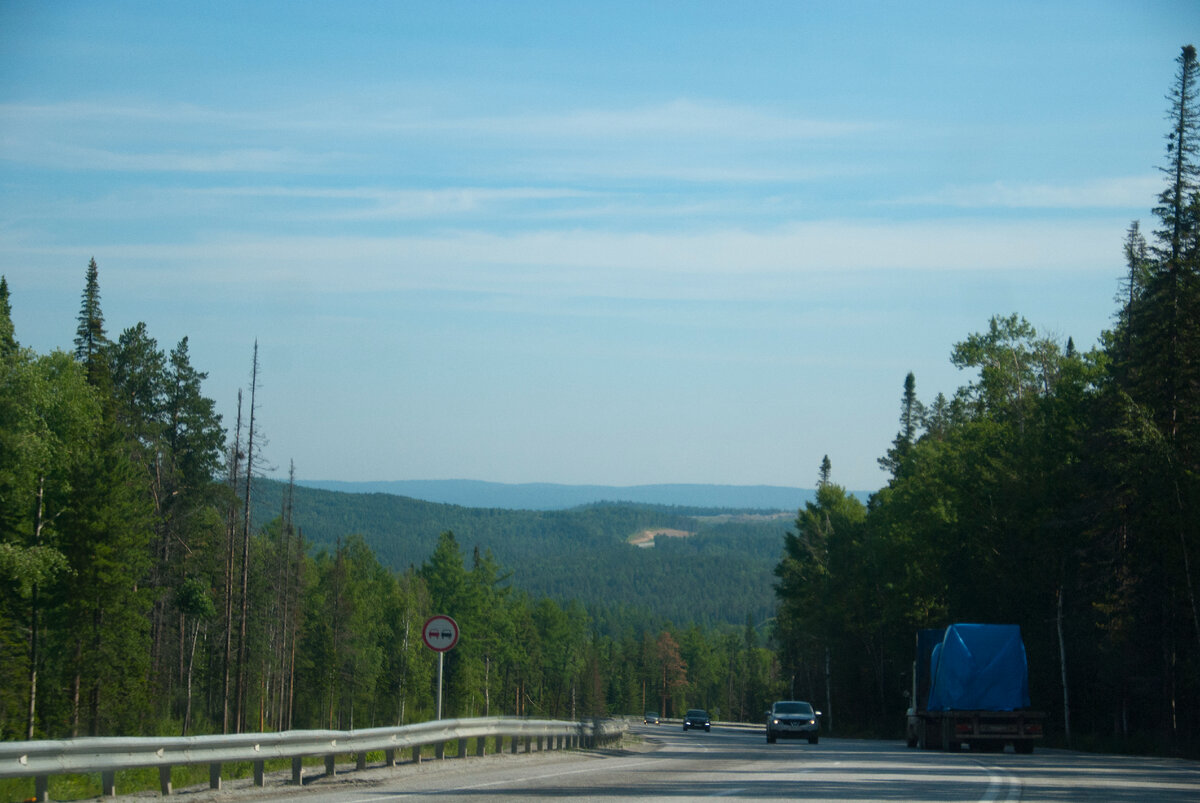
(297, 771)
(440, 750)
(164, 779)
(259, 773)
(541, 742)
(108, 783)
(462, 748)
(528, 743)
(389, 757)
(512, 748)
(416, 754)
(360, 760)
(214, 776)
(480, 745)
(331, 765)
(41, 788)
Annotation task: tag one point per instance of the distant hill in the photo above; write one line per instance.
(551, 496)
(708, 565)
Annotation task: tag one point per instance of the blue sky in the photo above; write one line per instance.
(611, 243)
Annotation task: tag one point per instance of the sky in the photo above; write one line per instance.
(612, 243)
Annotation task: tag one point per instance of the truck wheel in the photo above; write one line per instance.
(770, 738)
(812, 739)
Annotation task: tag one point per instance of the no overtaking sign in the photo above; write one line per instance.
(440, 633)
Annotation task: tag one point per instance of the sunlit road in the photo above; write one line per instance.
(739, 765)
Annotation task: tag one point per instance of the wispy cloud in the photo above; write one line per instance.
(682, 118)
(186, 137)
(711, 265)
(1113, 193)
(372, 203)
(59, 156)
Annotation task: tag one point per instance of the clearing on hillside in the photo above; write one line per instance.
(646, 537)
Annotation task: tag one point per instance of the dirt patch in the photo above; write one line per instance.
(646, 537)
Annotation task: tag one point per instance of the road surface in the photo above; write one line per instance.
(664, 763)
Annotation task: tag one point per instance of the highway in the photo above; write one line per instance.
(664, 763)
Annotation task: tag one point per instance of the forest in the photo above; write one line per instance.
(1057, 490)
(150, 582)
(580, 554)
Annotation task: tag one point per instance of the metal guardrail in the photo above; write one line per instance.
(107, 755)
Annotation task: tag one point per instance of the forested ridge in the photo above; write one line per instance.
(150, 584)
(580, 554)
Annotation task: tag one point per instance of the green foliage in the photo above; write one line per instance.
(581, 554)
(1056, 490)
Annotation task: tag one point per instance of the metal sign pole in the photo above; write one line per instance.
(440, 634)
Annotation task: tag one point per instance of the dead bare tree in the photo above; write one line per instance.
(245, 583)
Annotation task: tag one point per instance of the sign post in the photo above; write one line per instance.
(440, 634)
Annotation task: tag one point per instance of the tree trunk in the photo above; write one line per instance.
(75, 682)
(34, 604)
(828, 693)
(187, 711)
(230, 534)
(242, 646)
(1062, 659)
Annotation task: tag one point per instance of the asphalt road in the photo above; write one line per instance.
(665, 763)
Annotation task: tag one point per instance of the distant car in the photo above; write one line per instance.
(792, 719)
(651, 718)
(696, 718)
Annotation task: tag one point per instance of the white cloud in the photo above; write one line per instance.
(124, 135)
(712, 265)
(1107, 193)
(681, 118)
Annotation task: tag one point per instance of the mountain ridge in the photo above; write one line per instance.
(555, 496)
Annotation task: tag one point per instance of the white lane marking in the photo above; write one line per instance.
(998, 783)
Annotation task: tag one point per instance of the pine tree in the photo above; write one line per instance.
(911, 415)
(102, 624)
(90, 341)
(8, 340)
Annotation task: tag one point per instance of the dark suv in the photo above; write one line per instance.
(792, 719)
(696, 718)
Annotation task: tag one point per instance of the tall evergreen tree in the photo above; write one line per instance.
(911, 415)
(90, 341)
(8, 339)
(102, 623)
(48, 410)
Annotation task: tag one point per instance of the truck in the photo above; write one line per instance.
(971, 687)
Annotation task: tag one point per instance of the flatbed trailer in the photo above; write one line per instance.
(983, 701)
(988, 731)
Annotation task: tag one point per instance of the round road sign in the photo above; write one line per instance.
(440, 633)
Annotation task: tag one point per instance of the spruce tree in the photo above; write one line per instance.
(90, 340)
(911, 415)
(8, 340)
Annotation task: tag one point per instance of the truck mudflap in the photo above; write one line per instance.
(987, 731)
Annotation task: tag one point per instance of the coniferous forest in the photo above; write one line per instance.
(144, 590)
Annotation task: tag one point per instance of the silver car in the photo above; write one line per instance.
(792, 719)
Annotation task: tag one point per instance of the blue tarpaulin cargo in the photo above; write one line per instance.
(979, 668)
